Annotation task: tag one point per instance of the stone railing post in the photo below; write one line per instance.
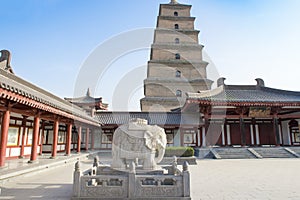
(76, 180)
(186, 179)
(131, 180)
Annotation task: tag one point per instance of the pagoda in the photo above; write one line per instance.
(176, 65)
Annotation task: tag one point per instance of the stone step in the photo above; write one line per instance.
(234, 153)
(274, 153)
(295, 149)
(245, 153)
(257, 155)
(215, 154)
(235, 156)
(180, 160)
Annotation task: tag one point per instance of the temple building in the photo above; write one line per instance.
(34, 121)
(246, 115)
(176, 65)
(182, 129)
(178, 98)
(88, 103)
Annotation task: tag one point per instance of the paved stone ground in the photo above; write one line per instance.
(17, 167)
(246, 179)
(54, 183)
(210, 179)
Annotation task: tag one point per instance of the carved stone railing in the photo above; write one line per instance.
(106, 183)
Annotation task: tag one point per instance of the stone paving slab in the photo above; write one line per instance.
(54, 183)
(246, 179)
(18, 167)
(210, 179)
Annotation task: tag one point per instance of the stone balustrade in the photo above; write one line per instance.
(103, 182)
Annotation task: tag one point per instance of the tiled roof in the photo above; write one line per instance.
(88, 100)
(153, 118)
(175, 5)
(84, 100)
(243, 94)
(14, 87)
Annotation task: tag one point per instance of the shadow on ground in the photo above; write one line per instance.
(37, 191)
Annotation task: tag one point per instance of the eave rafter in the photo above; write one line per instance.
(28, 107)
(233, 110)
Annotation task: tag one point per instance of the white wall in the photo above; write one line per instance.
(285, 133)
(177, 138)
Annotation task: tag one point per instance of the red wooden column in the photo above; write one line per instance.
(276, 130)
(68, 139)
(92, 139)
(35, 136)
(205, 110)
(197, 137)
(87, 139)
(55, 138)
(23, 137)
(79, 139)
(4, 134)
(242, 131)
(241, 111)
(41, 139)
(206, 128)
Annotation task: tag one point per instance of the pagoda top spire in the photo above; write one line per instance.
(173, 2)
(88, 93)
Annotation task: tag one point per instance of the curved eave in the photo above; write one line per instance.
(239, 103)
(177, 18)
(176, 6)
(41, 106)
(158, 80)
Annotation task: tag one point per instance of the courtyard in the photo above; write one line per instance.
(246, 179)
(210, 179)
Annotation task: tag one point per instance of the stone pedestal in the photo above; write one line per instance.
(104, 182)
(128, 178)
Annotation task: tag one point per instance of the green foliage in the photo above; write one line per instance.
(179, 152)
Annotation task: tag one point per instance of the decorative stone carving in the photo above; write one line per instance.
(133, 143)
(77, 166)
(109, 183)
(138, 140)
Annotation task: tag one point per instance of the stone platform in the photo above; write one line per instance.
(104, 182)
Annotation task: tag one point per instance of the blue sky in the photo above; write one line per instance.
(50, 41)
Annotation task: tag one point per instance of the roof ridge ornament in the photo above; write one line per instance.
(260, 82)
(173, 2)
(221, 81)
(5, 59)
(88, 92)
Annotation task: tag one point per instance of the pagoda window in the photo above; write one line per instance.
(176, 26)
(179, 93)
(177, 41)
(177, 56)
(178, 74)
(175, 14)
